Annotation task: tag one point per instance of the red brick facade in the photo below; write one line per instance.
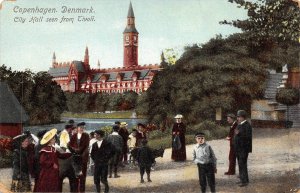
(77, 76)
(294, 77)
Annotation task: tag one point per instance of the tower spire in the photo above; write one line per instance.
(86, 56)
(98, 64)
(130, 11)
(130, 41)
(53, 59)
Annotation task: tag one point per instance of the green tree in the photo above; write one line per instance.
(77, 102)
(221, 73)
(42, 98)
(115, 101)
(129, 100)
(269, 20)
(270, 29)
(101, 102)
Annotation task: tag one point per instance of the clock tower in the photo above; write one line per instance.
(130, 41)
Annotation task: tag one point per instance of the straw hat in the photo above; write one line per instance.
(123, 124)
(178, 116)
(48, 136)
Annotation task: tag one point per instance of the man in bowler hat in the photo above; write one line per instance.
(243, 145)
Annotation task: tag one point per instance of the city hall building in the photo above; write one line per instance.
(78, 76)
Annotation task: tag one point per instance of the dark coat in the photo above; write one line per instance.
(124, 134)
(139, 138)
(145, 156)
(117, 141)
(101, 155)
(180, 154)
(82, 147)
(20, 164)
(243, 140)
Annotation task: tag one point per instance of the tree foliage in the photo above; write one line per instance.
(42, 99)
(271, 30)
(100, 102)
(220, 73)
(269, 20)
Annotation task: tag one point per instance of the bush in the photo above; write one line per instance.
(164, 142)
(208, 127)
(288, 96)
(211, 130)
(107, 130)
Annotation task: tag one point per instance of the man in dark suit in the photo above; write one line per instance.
(243, 145)
(231, 119)
(78, 145)
(102, 152)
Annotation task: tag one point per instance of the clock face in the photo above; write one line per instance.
(127, 38)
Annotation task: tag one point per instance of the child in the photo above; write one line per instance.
(204, 157)
(145, 159)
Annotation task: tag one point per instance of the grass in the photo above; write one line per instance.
(165, 141)
(112, 115)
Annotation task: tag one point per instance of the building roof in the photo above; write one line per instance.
(97, 77)
(11, 111)
(130, 28)
(79, 65)
(60, 71)
(130, 11)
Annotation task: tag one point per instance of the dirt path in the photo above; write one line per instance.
(273, 167)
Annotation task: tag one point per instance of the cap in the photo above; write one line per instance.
(199, 134)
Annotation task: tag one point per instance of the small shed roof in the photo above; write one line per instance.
(11, 111)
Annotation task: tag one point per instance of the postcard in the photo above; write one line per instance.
(171, 75)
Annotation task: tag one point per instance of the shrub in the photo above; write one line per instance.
(288, 96)
(107, 130)
(5, 152)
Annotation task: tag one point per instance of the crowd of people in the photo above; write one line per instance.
(50, 157)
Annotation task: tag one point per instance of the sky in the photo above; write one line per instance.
(161, 24)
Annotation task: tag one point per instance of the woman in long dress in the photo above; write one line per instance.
(178, 153)
(48, 180)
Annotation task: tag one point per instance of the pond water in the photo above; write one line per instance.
(91, 124)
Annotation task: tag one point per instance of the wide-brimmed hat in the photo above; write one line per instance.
(20, 138)
(17, 141)
(48, 136)
(123, 124)
(178, 116)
